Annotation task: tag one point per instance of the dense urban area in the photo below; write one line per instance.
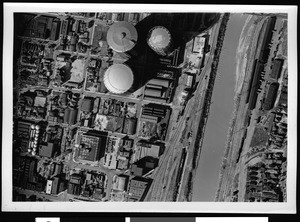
(113, 107)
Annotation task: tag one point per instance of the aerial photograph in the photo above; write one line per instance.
(149, 107)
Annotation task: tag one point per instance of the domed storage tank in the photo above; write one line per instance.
(160, 40)
(122, 36)
(118, 78)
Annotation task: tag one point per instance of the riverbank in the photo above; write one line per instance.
(249, 135)
(188, 189)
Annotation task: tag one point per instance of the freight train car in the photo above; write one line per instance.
(252, 96)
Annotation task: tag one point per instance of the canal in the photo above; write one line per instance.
(207, 175)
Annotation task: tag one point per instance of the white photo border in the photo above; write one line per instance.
(175, 207)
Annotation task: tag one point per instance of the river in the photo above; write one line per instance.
(207, 175)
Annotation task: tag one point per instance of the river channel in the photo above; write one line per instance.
(207, 176)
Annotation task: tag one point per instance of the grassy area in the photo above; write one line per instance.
(260, 137)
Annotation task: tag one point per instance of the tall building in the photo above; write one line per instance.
(144, 165)
(92, 147)
(55, 185)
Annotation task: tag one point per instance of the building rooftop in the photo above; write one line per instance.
(90, 149)
(47, 150)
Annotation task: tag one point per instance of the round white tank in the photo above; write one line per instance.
(122, 36)
(118, 78)
(159, 39)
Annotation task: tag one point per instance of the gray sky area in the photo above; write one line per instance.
(206, 180)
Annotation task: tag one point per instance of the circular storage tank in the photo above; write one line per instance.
(118, 78)
(160, 40)
(122, 36)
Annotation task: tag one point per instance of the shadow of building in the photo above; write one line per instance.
(183, 27)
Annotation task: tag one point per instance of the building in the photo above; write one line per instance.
(55, 30)
(96, 105)
(75, 184)
(67, 115)
(47, 150)
(199, 45)
(160, 40)
(25, 174)
(55, 185)
(39, 27)
(138, 188)
(276, 68)
(144, 148)
(72, 84)
(98, 193)
(189, 81)
(130, 126)
(49, 186)
(120, 182)
(64, 28)
(153, 110)
(92, 147)
(58, 169)
(122, 163)
(31, 172)
(122, 36)
(70, 116)
(127, 143)
(144, 165)
(76, 178)
(271, 96)
(154, 91)
(86, 104)
(110, 161)
(23, 135)
(158, 82)
(118, 78)
(73, 116)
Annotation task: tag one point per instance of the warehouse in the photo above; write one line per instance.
(276, 69)
(271, 96)
(144, 148)
(153, 92)
(157, 99)
(159, 82)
